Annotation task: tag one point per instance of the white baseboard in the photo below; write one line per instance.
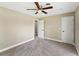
(57, 40)
(5, 49)
(77, 50)
(53, 39)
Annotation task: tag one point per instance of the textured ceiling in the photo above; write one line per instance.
(58, 7)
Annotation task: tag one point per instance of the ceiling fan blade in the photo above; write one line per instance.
(50, 7)
(44, 12)
(37, 4)
(30, 9)
(36, 12)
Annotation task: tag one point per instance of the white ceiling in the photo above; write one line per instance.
(58, 7)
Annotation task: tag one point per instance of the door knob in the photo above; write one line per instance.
(62, 31)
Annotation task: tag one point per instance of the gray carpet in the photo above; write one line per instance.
(42, 47)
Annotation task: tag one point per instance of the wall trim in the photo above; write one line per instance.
(15, 45)
(77, 50)
(53, 39)
(56, 40)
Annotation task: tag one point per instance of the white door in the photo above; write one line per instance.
(67, 32)
(41, 28)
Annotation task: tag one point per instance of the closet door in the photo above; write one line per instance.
(67, 32)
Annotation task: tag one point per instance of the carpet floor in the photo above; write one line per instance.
(42, 47)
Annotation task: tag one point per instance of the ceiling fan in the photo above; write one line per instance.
(42, 9)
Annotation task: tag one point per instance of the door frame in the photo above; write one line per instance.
(43, 26)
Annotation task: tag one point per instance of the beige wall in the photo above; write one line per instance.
(53, 26)
(15, 27)
(77, 29)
